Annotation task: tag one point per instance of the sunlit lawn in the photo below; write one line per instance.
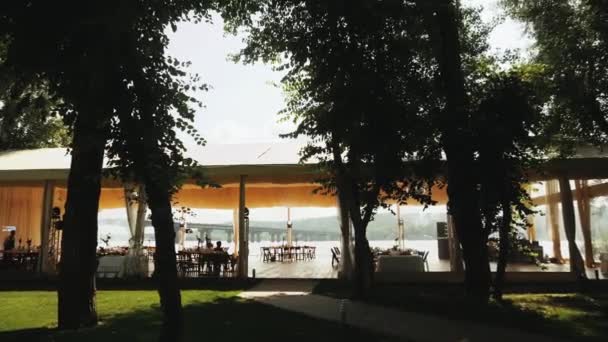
(134, 316)
(571, 316)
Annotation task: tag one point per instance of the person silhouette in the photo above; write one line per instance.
(9, 242)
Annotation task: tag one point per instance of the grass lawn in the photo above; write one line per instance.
(134, 316)
(571, 316)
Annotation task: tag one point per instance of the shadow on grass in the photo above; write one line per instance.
(571, 316)
(224, 319)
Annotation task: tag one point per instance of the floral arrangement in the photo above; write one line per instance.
(112, 251)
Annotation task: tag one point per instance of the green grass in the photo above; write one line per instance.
(572, 316)
(134, 316)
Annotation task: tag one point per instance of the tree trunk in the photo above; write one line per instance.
(462, 184)
(504, 250)
(159, 201)
(577, 266)
(363, 268)
(76, 291)
(346, 263)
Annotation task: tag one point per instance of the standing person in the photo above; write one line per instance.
(9, 242)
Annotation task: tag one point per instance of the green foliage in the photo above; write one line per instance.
(109, 56)
(28, 117)
(134, 316)
(507, 121)
(572, 45)
(360, 87)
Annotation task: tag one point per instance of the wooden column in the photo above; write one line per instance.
(553, 218)
(456, 264)
(577, 265)
(531, 228)
(584, 215)
(140, 220)
(44, 264)
(530, 218)
(400, 228)
(289, 229)
(130, 206)
(243, 270)
(136, 207)
(235, 227)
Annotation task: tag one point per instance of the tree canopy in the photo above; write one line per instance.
(571, 42)
(28, 111)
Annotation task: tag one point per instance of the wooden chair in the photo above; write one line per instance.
(299, 253)
(266, 254)
(425, 260)
(335, 256)
(312, 251)
(185, 265)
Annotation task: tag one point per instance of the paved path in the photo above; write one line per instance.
(417, 327)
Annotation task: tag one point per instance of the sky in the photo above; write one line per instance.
(242, 103)
(241, 106)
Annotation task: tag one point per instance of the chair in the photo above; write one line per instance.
(185, 265)
(286, 253)
(266, 255)
(299, 253)
(425, 256)
(335, 256)
(312, 251)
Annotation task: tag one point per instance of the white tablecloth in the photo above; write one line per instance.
(399, 263)
(111, 266)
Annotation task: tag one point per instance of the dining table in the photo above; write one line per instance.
(289, 253)
(19, 259)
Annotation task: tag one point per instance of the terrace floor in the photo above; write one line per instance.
(321, 268)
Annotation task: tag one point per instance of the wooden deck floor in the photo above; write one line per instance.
(320, 268)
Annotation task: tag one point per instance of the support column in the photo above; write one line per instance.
(577, 265)
(400, 228)
(131, 207)
(44, 264)
(553, 218)
(584, 215)
(289, 228)
(456, 264)
(243, 269)
(235, 226)
(136, 264)
(530, 218)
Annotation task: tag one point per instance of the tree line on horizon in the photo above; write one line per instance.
(372, 85)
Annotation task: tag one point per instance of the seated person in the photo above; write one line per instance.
(218, 247)
(9, 242)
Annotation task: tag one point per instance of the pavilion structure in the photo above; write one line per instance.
(33, 182)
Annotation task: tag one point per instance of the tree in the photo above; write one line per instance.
(148, 151)
(507, 122)
(361, 90)
(445, 26)
(28, 117)
(76, 50)
(88, 54)
(572, 44)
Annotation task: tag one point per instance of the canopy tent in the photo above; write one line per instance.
(271, 172)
